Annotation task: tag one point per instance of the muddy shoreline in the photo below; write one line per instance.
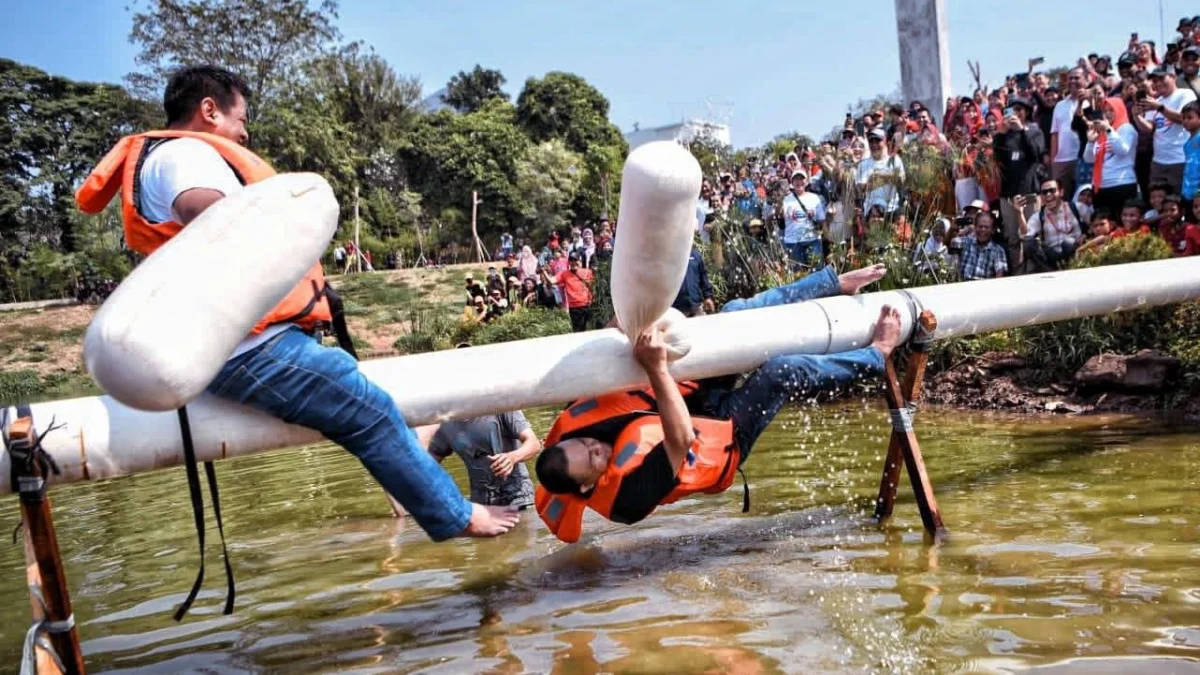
(1006, 382)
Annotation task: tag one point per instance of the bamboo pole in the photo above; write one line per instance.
(357, 247)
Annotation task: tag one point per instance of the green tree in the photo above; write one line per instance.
(268, 42)
(52, 132)
(712, 154)
(466, 92)
(565, 106)
(600, 188)
(448, 155)
(548, 176)
(368, 95)
(303, 130)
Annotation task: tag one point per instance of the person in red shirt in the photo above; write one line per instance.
(1131, 220)
(576, 284)
(1184, 238)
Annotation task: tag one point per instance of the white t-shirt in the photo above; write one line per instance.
(1061, 224)
(1170, 137)
(886, 196)
(801, 216)
(176, 166)
(1068, 140)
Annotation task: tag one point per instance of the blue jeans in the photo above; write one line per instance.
(807, 253)
(294, 378)
(754, 405)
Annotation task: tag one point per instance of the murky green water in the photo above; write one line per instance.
(1071, 539)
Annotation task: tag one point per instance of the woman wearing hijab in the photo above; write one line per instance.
(1112, 146)
(527, 264)
(587, 247)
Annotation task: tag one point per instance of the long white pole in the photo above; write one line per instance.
(102, 438)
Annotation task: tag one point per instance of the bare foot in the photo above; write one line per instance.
(887, 331)
(852, 282)
(490, 521)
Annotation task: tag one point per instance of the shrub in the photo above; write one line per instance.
(17, 386)
(524, 324)
(1066, 345)
(429, 330)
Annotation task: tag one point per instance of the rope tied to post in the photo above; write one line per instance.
(37, 636)
(28, 454)
(902, 418)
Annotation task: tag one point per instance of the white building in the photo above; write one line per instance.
(681, 132)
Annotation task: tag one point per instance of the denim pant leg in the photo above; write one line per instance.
(293, 378)
(820, 284)
(788, 378)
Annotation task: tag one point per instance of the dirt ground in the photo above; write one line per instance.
(1003, 381)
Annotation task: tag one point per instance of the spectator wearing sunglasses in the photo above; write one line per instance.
(1052, 235)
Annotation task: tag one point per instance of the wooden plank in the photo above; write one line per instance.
(914, 380)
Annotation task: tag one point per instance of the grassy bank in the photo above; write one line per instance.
(41, 351)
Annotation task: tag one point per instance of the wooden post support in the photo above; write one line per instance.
(903, 444)
(46, 663)
(45, 567)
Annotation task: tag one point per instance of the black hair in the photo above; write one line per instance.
(551, 470)
(1162, 187)
(1192, 107)
(1173, 199)
(191, 85)
(1134, 204)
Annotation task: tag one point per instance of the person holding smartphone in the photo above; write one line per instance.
(1163, 115)
(1018, 150)
(1112, 146)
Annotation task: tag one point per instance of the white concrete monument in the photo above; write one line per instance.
(924, 53)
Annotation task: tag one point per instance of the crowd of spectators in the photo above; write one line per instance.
(1024, 175)
(559, 275)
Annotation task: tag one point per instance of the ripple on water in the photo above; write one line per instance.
(1047, 560)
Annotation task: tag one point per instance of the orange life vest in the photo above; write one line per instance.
(709, 468)
(306, 304)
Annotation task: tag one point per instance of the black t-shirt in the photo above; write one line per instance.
(644, 488)
(1019, 154)
(545, 296)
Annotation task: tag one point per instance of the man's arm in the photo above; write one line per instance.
(678, 435)
(1140, 121)
(515, 425)
(190, 204)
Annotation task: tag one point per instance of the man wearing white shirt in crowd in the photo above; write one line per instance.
(803, 215)
(1064, 142)
(1053, 233)
(880, 173)
(1163, 116)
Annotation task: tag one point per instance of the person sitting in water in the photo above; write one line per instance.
(624, 454)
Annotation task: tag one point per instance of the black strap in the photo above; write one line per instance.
(337, 312)
(231, 590)
(23, 410)
(193, 479)
(308, 308)
(745, 492)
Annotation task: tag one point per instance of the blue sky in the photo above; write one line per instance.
(766, 67)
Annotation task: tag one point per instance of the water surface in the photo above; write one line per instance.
(1075, 547)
